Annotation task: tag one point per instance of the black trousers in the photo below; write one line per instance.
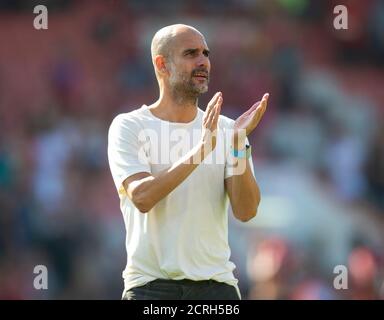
(162, 289)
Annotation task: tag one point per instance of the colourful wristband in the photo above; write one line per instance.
(242, 154)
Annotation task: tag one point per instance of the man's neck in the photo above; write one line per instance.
(174, 109)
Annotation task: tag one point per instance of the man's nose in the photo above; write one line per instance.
(203, 61)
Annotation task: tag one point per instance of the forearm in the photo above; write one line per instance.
(244, 193)
(147, 192)
(242, 188)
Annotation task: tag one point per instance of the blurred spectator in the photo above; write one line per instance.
(53, 148)
(267, 268)
(362, 266)
(375, 169)
(344, 160)
(66, 79)
(376, 32)
(314, 289)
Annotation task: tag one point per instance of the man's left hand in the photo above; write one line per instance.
(248, 121)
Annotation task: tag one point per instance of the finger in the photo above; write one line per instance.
(260, 110)
(258, 104)
(265, 103)
(209, 117)
(213, 101)
(213, 112)
(217, 113)
(210, 106)
(251, 109)
(264, 109)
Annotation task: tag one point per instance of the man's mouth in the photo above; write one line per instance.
(201, 75)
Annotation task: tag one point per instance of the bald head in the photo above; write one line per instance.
(164, 39)
(180, 59)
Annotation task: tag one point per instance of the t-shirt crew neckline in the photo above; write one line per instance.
(185, 124)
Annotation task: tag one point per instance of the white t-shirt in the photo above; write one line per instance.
(185, 235)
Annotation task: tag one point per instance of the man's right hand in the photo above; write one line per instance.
(210, 119)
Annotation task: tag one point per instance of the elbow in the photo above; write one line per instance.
(142, 208)
(140, 200)
(246, 216)
(248, 211)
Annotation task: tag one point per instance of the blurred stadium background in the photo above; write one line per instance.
(318, 153)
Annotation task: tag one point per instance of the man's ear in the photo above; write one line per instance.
(160, 64)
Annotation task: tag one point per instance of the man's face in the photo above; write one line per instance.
(189, 65)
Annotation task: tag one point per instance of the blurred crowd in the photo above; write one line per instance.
(318, 153)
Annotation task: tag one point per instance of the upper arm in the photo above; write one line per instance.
(126, 154)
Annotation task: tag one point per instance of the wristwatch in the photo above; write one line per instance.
(242, 154)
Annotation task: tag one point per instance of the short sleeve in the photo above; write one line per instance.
(126, 155)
